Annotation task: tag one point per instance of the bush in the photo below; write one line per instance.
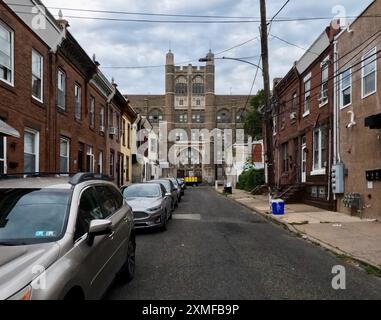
(250, 179)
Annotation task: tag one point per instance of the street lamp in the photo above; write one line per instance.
(206, 59)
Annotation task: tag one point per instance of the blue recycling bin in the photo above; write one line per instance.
(277, 207)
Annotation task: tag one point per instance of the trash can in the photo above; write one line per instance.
(228, 188)
(277, 207)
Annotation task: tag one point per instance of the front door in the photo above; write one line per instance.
(304, 163)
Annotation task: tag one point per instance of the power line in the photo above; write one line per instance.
(293, 44)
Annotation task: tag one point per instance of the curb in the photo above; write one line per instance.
(305, 236)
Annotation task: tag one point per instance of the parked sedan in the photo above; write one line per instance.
(150, 204)
(63, 238)
(170, 191)
(178, 188)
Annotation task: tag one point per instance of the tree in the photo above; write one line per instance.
(253, 120)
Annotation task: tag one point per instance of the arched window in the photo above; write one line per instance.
(181, 86)
(223, 116)
(155, 116)
(198, 86)
(240, 116)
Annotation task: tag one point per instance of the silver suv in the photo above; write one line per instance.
(63, 238)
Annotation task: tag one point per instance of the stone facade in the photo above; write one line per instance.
(190, 103)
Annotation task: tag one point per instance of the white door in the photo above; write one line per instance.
(304, 163)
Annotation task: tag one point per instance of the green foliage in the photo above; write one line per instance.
(253, 120)
(251, 178)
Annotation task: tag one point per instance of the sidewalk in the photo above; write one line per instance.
(343, 234)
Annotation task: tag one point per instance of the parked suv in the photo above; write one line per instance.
(63, 238)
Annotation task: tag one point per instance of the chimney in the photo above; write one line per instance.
(95, 60)
(276, 81)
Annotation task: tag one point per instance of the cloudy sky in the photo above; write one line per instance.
(140, 44)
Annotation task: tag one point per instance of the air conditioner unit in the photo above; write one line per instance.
(102, 129)
(113, 131)
(293, 116)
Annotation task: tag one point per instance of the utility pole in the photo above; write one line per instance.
(267, 130)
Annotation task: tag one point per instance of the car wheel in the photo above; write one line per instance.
(127, 272)
(164, 223)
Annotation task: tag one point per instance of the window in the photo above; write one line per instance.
(314, 192)
(369, 66)
(31, 151)
(102, 119)
(61, 89)
(128, 136)
(182, 117)
(118, 126)
(198, 88)
(181, 86)
(346, 88)
(78, 103)
(64, 155)
(323, 98)
(223, 116)
(100, 163)
(181, 102)
(111, 118)
(92, 112)
(198, 102)
(111, 168)
(307, 95)
(90, 159)
(197, 118)
(37, 75)
(285, 157)
(3, 155)
(322, 193)
(88, 210)
(155, 116)
(6, 54)
(124, 132)
(320, 149)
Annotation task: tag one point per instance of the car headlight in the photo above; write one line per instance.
(24, 294)
(154, 209)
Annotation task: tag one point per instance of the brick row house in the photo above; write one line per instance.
(327, 120)
(58, 112)
(358, 114)
(302, 122)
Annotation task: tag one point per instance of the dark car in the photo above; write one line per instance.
(170, 190)
(178, 188)
(182, 184)
(150, 204)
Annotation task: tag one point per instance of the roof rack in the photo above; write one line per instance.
(22, 175)
(87, 176)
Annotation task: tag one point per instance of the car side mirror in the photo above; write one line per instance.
(168, 194)
(98, 228)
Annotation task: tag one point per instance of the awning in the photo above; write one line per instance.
(7, 130)
(373, 122)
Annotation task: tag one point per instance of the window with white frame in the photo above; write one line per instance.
(64, 155)
(31, 151)
(92, 112)
(320, 149)
(102, 119)
(346, 88)
(323, 97)
(100, 162)
(6, 54)
(61, 89)
(3, 155)
(37, 75)
(78, 101)
(90, 159)
(369, 68)
(307, 95)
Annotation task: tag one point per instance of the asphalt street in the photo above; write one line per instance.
(217, 249)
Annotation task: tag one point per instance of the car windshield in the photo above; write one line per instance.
(165, 183)
(30, 216)
(142, 191)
